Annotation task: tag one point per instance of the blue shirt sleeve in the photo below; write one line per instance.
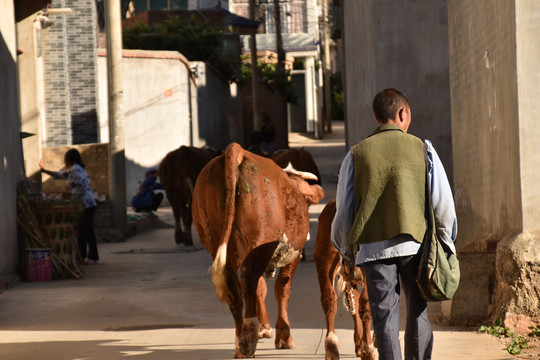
(342, 223)
(441, 199)
(60, 175)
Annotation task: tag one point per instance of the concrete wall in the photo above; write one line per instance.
(32, 108)
(10, 145)
(528, 87)
(485, 127)
(214, 102)
(494, 50)
(404, 45)
(159, 108)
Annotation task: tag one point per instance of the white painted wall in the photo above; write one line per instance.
(159, 107)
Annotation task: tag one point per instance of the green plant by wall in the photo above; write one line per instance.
(269, 73)
(517, 343)
(196, 40)
(535, 331)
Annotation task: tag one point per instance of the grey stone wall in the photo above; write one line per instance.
(485, 121)
(403, 45)
(494, 50)
(70, 64)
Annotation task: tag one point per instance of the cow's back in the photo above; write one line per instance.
(266, 206)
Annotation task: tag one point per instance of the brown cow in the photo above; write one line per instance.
(300, 160)
(252, 217)
(178, 172)
(327, 262)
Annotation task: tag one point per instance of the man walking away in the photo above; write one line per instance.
(380, 222)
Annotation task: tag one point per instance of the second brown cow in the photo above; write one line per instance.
(327, 261)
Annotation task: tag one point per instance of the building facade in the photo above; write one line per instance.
(301, 38)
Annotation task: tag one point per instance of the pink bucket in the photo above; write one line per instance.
(37, 264)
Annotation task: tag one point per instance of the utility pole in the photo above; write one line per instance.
(326, 68)
(117, 161)
(280, 68)
(254, 71)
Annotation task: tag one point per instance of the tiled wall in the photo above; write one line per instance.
(70, 64)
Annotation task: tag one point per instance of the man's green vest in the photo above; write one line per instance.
(389, 186)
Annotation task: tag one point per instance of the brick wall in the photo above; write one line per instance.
(56, 75)
(70, 63)
(96, 160)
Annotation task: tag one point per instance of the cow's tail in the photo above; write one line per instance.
(233, 158)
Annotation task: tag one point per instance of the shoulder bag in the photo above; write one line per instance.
(438, 271)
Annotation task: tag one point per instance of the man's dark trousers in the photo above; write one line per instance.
(383, 286)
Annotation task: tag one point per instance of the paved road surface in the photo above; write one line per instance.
(149, 298)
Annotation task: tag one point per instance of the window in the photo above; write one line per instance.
(293, 19)
(144, 5)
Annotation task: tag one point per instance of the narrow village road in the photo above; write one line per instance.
(150, 299)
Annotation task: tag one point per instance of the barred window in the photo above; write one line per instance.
(293, 18)
(293, 15)
(144, 5)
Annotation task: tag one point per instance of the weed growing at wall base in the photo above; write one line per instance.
(518, 342)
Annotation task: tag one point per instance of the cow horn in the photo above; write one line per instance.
(303, 174)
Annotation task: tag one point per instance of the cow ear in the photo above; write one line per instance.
(313, 193)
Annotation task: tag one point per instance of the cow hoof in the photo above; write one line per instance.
(265, 332)
(285, 344)
(239, 355)
(181, 238)
(283, 339)
(249, 336)
(365, 352)
(332, 355)
(331, 345)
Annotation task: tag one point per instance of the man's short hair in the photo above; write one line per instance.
(387, 103)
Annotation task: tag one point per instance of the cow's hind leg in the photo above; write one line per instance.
(326, 262)
(363, 341)
(265, 330)
(235, 303)
(282, 293)
(177, 214)
(358, 326)
(251, 272)
(326, 271)
(187, 220)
